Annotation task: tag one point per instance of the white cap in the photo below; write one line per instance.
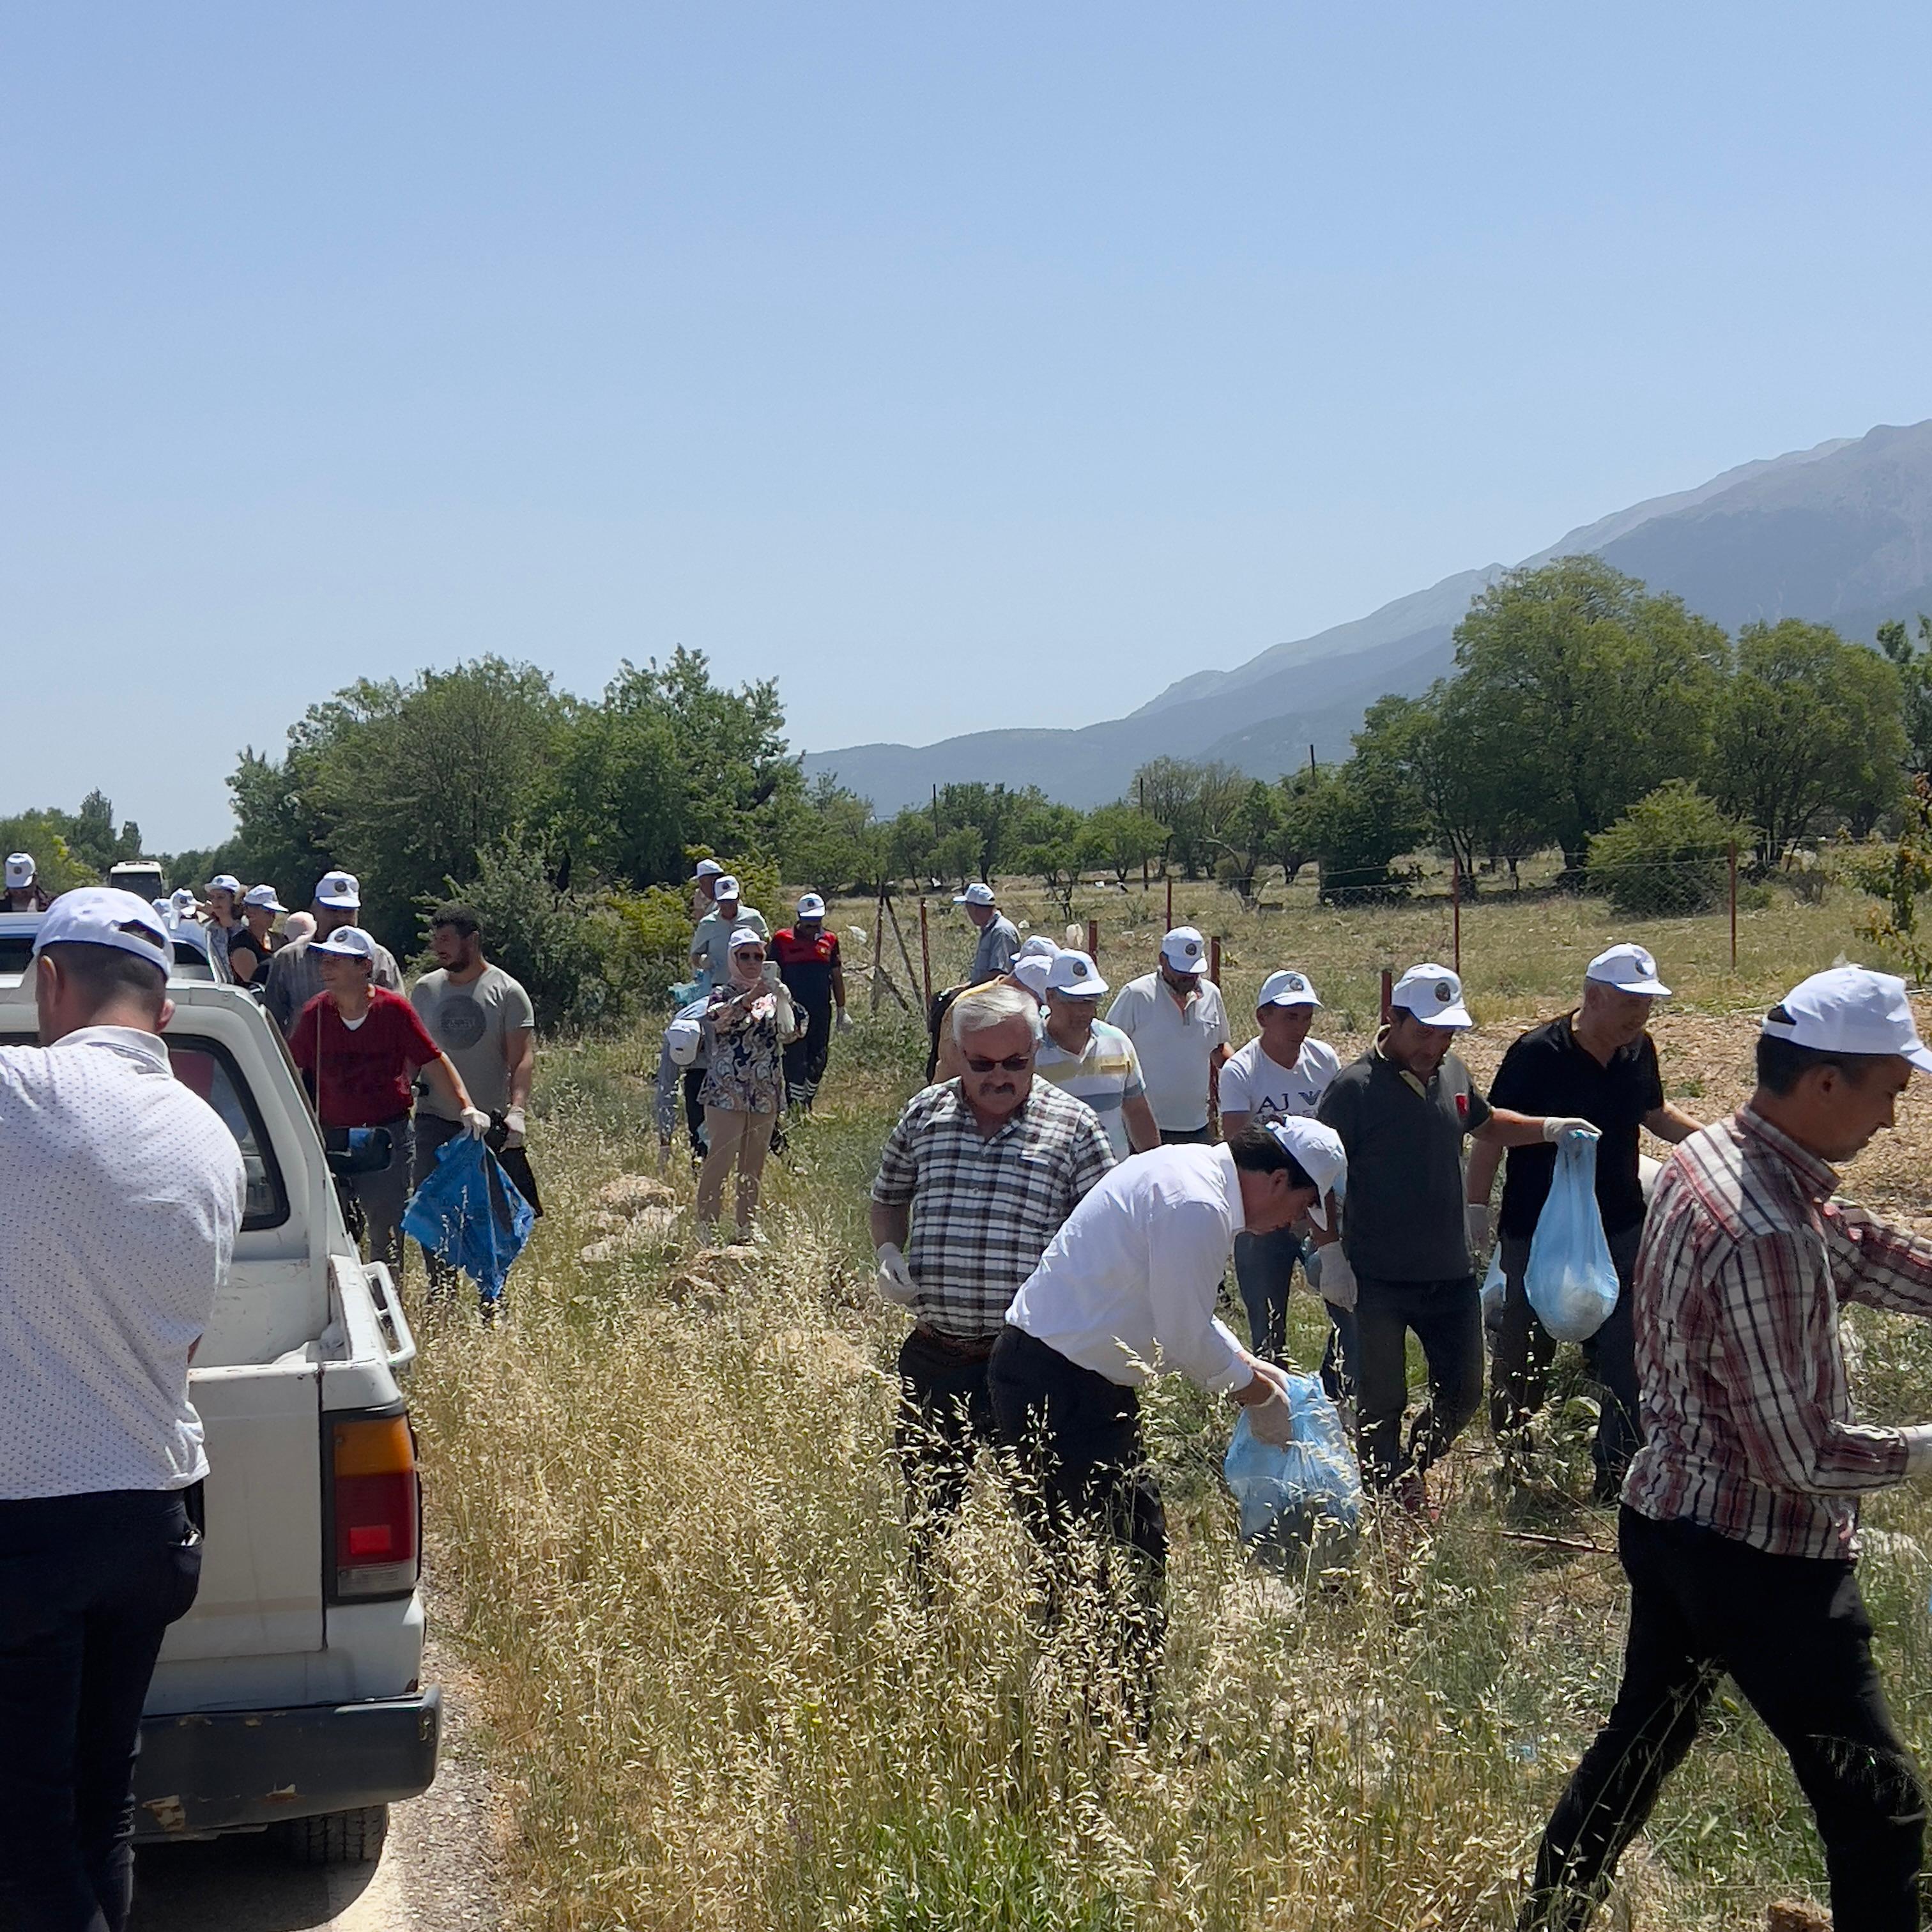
(224, 882)
(1851, 1010)
(1629, 968)
(1286, 988)
(340, 889)
(105, 916)
(707, 869)
(1038, 946)
(1319, 1149)
(746, 935)
(1185, 950)
(978, 893)
(1030, 970)
(263, 897)
(1074, 974)
(1433, 993)
(181, 899)
(682, 1038)
(346, 942)
(811, 906)
(20, 868)
(724, 887)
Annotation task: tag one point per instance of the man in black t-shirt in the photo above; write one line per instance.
(1599, 1063)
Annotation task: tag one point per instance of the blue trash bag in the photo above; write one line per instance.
(1571, 1281)
(468, 1213)
(1305, 1497)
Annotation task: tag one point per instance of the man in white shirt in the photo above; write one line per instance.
(1126, 1291)
(1278, 1076)
(1084, 1056)
(124, 1195)
(1175, 1017)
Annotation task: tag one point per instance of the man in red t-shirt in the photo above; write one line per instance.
(807, 954)
(360, 1047)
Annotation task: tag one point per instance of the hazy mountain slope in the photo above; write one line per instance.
(1841, 532)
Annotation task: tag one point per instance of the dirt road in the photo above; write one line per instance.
(435, 1874)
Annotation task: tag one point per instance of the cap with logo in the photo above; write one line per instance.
(342, 890)
(1287, 988)
(105, 916)
(707, 869)
(181, 901)
(263, 899)
(747, 935)
(1185, 950)
(1319, 1151)
(224, 882)
(346, 942)
(811, 906)
(724, 887)
(20, 868)
(1629, 969)
(978, 893)
(1851, 1010)
(1433, 993)
(1037, 945)
(1074, 975)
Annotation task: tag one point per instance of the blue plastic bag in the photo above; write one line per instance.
(468, 1213)
(1306, 1496)
(1571, 1281)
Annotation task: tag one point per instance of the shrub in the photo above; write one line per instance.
(1668, 854)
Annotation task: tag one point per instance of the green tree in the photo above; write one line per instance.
(1899, 876)
(94, 841)
(827, 838)
(1121, 838)
(1581, 691)
(1913, 663)
(1808, 734)
(1362, 817)
(1669, 853)
(45, 835)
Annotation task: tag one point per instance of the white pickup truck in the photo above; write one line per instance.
(291, 1697)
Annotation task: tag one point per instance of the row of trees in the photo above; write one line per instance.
(72, 848)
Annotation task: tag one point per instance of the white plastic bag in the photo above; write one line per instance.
(1571, 1281)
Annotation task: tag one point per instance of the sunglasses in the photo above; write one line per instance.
(1014, 1062)
(748, 952)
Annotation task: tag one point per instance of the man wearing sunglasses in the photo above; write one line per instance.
(974, 1181)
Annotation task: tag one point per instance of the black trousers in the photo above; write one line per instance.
(1793, 1635)
(1076, 1439)
(1185, 1136)
(1519, 1367)
(946, 1418)
(693, 1109)
(1447, 1318)
(88, 1585)
(805, 1058)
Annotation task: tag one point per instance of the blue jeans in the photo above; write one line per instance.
(1265, 1273)
(88, 1585)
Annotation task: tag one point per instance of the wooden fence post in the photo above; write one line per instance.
(1456, 909)
(1214, 959)
(925, 951)
(1093, 939)
(1388, 988)
(1733, 859)
(879, 946)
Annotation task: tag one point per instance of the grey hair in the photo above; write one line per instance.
(982, 1008)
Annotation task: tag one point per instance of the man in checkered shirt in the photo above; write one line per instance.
(1740, 1517)
(973, 1183)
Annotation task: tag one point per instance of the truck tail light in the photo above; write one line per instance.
(377, 1506)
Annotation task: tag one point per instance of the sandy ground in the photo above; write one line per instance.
(436, 1871)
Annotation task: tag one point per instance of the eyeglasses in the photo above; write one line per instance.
(1014, 1062)
(745, 952)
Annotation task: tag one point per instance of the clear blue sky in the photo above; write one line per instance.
(959, 366)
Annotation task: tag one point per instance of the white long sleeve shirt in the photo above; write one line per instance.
(1127, 1287)
(122, 1193)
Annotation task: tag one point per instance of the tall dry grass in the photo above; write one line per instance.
(664, 1510)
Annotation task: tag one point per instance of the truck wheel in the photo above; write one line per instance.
(336, 1837)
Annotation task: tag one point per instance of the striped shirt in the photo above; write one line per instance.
(1748, 1424)
(983, 1210)
(1105, 1074)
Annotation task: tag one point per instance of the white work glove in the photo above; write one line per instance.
(475, 1122)
(1478, 1224)
(844, 1021)
(1560, 1128)
(1918, 1449)
(1273, 1421)
(895, 1282)
(1334, 1277)
(513, 1127)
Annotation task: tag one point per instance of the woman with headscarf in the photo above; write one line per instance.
(748, 1022)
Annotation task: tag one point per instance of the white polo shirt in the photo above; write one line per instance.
(1254, 1082)
(1173, 1043)
(1127, 1287)
(122, 1195)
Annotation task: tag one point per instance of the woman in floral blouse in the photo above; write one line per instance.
(748, 1023)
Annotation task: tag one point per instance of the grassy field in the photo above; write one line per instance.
(664, 1511)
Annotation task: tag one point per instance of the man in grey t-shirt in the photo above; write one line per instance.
(1403, 1111)
(711, 940)
(483, 1019)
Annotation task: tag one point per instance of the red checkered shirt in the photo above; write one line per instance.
(1748, 1422)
